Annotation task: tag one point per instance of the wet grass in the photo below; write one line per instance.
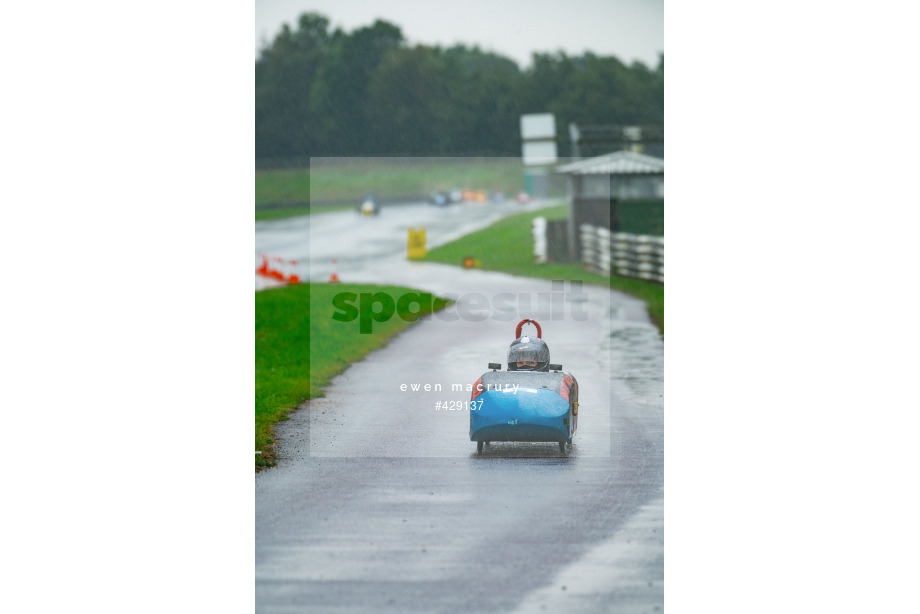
(282, 186)
(285, 212)
(351, 178)
(283, 345)
(507, 246)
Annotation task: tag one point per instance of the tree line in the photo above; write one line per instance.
(368, 93)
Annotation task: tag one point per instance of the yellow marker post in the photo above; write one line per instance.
(416, 246)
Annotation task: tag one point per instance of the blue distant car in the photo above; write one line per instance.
(439, 198)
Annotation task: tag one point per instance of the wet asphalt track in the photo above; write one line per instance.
(379, 502)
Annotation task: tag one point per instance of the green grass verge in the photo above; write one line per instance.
(283, 348)
(507, 246)
(276, 214)
(351, 178)
(282, 185)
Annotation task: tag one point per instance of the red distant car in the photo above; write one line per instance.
(523, 198)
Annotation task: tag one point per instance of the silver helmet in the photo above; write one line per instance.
(531, 349)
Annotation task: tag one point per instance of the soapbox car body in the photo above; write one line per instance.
(515, 405)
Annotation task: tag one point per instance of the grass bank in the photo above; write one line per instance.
(284, 338)
(349, 179)
(507, 246)
(283, 212)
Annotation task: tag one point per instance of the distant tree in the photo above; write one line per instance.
(409, 103)
(341, 95)
(590, 89)
(285, 75)
(545, 81)
(486, 107)
(366, 93)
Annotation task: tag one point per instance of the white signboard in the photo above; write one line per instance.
(539, 152)
(538, 126)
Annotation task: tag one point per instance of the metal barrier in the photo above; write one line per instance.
(625, 254)
(607, 253)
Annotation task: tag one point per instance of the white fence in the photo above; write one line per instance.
(539, 240)
(622, 253)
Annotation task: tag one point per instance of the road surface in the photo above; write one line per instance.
(379, 502)
(354, 241)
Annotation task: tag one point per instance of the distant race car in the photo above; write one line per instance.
(474, 196)
(532, 401)
(369, 206)
(522, 198)
(439, 198)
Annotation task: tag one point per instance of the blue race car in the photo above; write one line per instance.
(532, 401)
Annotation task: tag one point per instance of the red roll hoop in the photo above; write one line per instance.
(517, 331)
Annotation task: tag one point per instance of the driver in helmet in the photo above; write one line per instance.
(528, 354)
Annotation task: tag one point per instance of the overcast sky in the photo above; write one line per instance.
(628, 29)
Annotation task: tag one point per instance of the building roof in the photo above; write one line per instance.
(616, 163)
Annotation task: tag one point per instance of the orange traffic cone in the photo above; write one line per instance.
(333, 279)
(293, 278)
